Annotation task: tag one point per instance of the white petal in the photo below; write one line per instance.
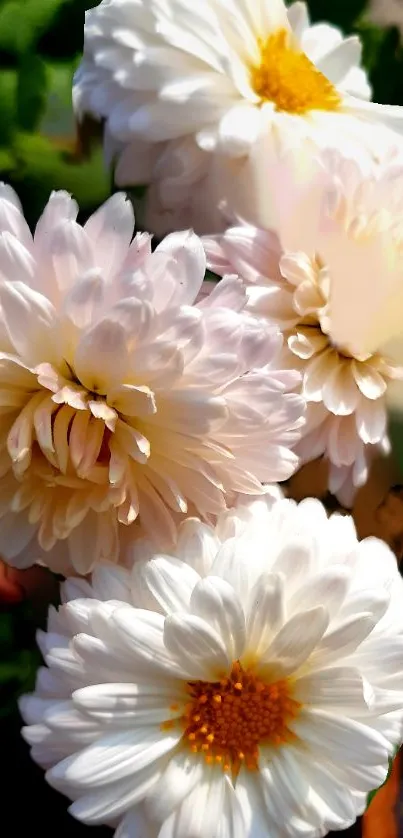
(293, 559)
(16, 261)
(70, 253)
(331, 797)
(228, 565)
(183, 773)
(11, 216)
(341, 739)
(143, 633)
(189, 258)
(170, 582)
(60, 207)
(29, 319)
(64, 718)
(329, 587)
(131, 704)
(258, 820)
(99, 354)
(369, 380)
(232, 821)
(345, 638)
(296, 640)
(15, 534)
(135, 823)
(113, 757)
(97, 656)
(284, 778)
(198, 649)
(336, 687)
(110, 582)
(277, 806)
(298, 17)
(216, 602)
(110, 230)
(371, 419)
(84, 299)
(336, 63)
(197, 545)
(104, 805)
(202, 809)
(265, 611)
(239, 129)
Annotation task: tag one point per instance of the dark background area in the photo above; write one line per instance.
(40, 45)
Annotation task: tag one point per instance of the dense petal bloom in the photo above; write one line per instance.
(195, 98)
(120, 397)
(250, 683)
(188, 92)
(331, 279)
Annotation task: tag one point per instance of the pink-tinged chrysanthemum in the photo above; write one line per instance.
(247, 684)
(120, 398)
(331, 280)
(195, 96)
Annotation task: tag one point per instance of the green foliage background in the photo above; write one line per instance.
(40, 45)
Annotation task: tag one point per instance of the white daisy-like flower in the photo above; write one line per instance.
(188, 92)
(121, 398)
(331, 280)
(249, 684)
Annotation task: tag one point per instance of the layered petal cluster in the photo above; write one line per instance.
(120, 397)
(331, 279)
(189, 92)
(248, 684)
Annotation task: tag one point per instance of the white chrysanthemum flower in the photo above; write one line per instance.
(250, 684)
(121, 397)
(327, 280)
(188, 91)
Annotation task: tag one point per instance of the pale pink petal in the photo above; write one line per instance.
(110, 231)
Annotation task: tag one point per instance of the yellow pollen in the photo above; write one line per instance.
(237, 714)
(286, 77)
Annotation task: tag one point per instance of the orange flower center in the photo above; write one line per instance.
(228, 720)
(288, 78)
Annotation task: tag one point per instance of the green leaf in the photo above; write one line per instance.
(211, 277)
(22, 22)
(396, 438)
(10, 671)
(69, 18)
(383, 58)
(8, 88)
(6, 631)
(31, 91)
(342, 13)
(58, 117)
(41, 167)
(11, 35)
(6, 162)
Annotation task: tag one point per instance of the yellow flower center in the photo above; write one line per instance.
(288, 78)
(228, 720)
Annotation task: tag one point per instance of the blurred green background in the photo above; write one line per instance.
(40, 45)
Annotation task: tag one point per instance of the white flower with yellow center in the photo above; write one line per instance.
(250, 684)
(189, 91)
(120, 397)
(331, 280)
